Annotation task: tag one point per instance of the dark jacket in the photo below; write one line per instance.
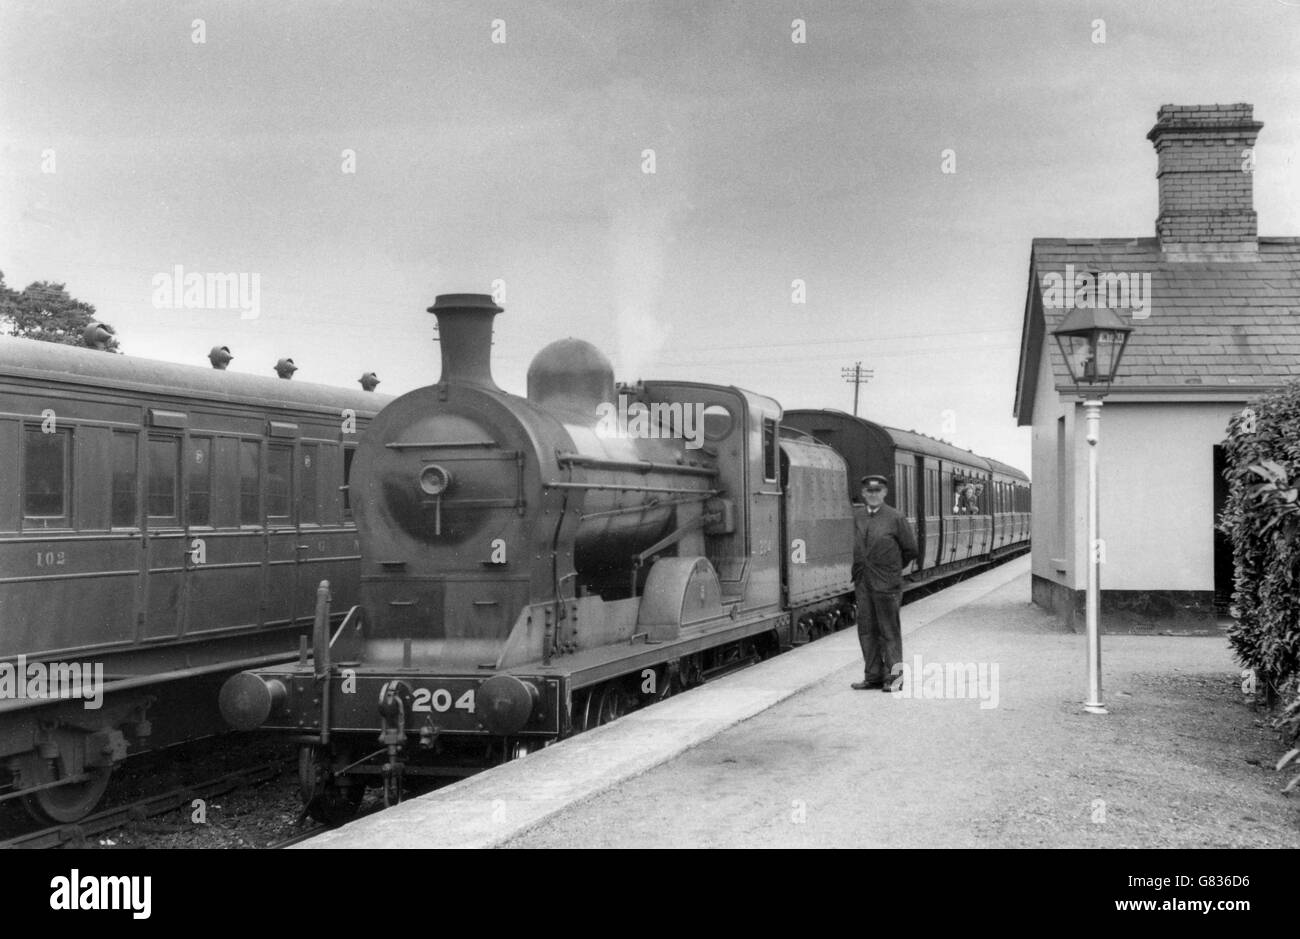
(883, 545)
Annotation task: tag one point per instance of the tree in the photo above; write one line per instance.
(45, 311)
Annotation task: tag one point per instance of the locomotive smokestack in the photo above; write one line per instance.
(465, 332)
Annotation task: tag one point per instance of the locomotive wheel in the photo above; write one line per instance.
(71, 802)
(582, 710)
(690, 672)
(325, 799)
(336, 805)
(612, 706)
(668, 683)
(803, 631)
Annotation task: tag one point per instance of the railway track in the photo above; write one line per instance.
(77, 834)
(297, 839)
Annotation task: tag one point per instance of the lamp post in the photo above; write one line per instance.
(1092, 342)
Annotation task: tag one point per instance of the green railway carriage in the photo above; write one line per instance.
(164, 525)
(966, 509)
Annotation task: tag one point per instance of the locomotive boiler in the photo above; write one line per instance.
(535, 566)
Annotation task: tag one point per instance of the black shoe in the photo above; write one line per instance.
(867, 685)
(890, 687)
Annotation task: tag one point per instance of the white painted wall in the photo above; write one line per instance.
(1047, 488)
(1156, 485)
(1157, 494)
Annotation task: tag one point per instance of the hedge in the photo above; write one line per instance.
(1262, 518)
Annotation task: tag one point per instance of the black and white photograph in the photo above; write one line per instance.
(650, 424)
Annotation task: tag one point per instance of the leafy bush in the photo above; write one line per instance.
(1262, 517)
(1290, 723)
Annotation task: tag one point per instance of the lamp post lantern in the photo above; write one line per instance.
(1092, 342)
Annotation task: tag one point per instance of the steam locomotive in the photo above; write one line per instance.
(533, 567)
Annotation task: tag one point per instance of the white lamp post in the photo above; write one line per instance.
(1092, 342)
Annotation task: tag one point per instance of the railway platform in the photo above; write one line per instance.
(986, 745)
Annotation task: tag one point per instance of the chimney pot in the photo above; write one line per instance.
(465, 334)
(1206, 198)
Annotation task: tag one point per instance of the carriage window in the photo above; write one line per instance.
(250, 483)
(967, 495)
(769, 449)
(122, 514)
(348, 454)
(199, 479)
(45, 478)
(903, 498)
(279, 484)
(308, 459)
(164, 453)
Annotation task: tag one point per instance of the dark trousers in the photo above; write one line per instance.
(879, 631)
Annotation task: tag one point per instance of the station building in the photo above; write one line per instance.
(1215, 311)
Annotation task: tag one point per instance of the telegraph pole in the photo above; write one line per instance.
(859, 376)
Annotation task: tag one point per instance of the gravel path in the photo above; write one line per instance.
(1182, 760)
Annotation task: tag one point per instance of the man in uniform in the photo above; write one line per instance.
(883, 545)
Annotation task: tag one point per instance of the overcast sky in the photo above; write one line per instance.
(522, 161)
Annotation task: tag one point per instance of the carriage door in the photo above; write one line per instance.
(319, 541)
(204, 557)
(165, 547)
(933, 515)
(920, 506)
(281, 529)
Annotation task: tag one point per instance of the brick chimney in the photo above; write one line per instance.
(1206, 198)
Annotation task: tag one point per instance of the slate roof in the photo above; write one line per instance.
(1211, 325)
